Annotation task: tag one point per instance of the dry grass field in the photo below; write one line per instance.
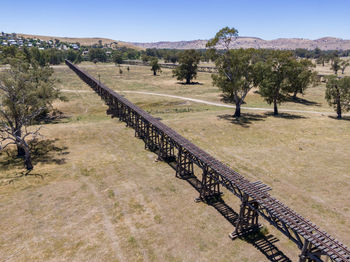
(97, 195)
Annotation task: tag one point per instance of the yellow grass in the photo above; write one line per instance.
(104, 198)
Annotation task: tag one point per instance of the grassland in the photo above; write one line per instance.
(97, 195)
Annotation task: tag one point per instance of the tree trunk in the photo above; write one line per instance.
(27, 158)
(154, 72)
(238, 110)
(295, 94)
(275, 110)
(338, 109)
(188, 81)
(20, 150)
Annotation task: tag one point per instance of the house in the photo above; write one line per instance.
(75, 46)
(12, 42)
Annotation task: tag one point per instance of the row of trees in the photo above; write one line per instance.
(318, 53)
(278, 75)
(99, 54)
(42, 57)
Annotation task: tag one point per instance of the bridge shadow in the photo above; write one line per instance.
(264, 243)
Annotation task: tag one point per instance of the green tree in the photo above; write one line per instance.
(300, 76)
(79, 58)
(187, 68)
(224, 37)
(338, 94)
(27, 55)
(117, 57)
(238, 73)
(145, 58)
(54, 56)
(155, 67)
(322, 59)
(97, 54)
(71, 55)
(238, 70)
(38, 56)
(275, 85)
(336, 65)
(25, 92)
(343, 65)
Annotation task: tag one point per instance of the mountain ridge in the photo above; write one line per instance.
(324, 43)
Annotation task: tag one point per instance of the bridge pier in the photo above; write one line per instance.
(210, 187)
(138, 127)
(113, 108)
(166, 149)
(151, 138)
(184, 165)
(310, 253)
(247, 221)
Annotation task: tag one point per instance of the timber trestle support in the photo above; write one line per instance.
(210, 187)
(314, 243)
(184, 165)
(247, 221)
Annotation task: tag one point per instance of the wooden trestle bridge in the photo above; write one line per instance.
(314, 243)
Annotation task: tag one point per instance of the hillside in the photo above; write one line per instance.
(325, 43)
(83, 41)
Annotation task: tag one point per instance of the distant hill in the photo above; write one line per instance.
(83, 41)
(325, 43)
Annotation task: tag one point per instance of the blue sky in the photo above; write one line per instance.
(149, 21)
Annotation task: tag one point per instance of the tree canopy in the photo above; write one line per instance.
(155, 67)
(274, 87)
(300, 76)
(338, 94)
(225, 36)
(97, 54)
(187, 68)
(238, 72)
